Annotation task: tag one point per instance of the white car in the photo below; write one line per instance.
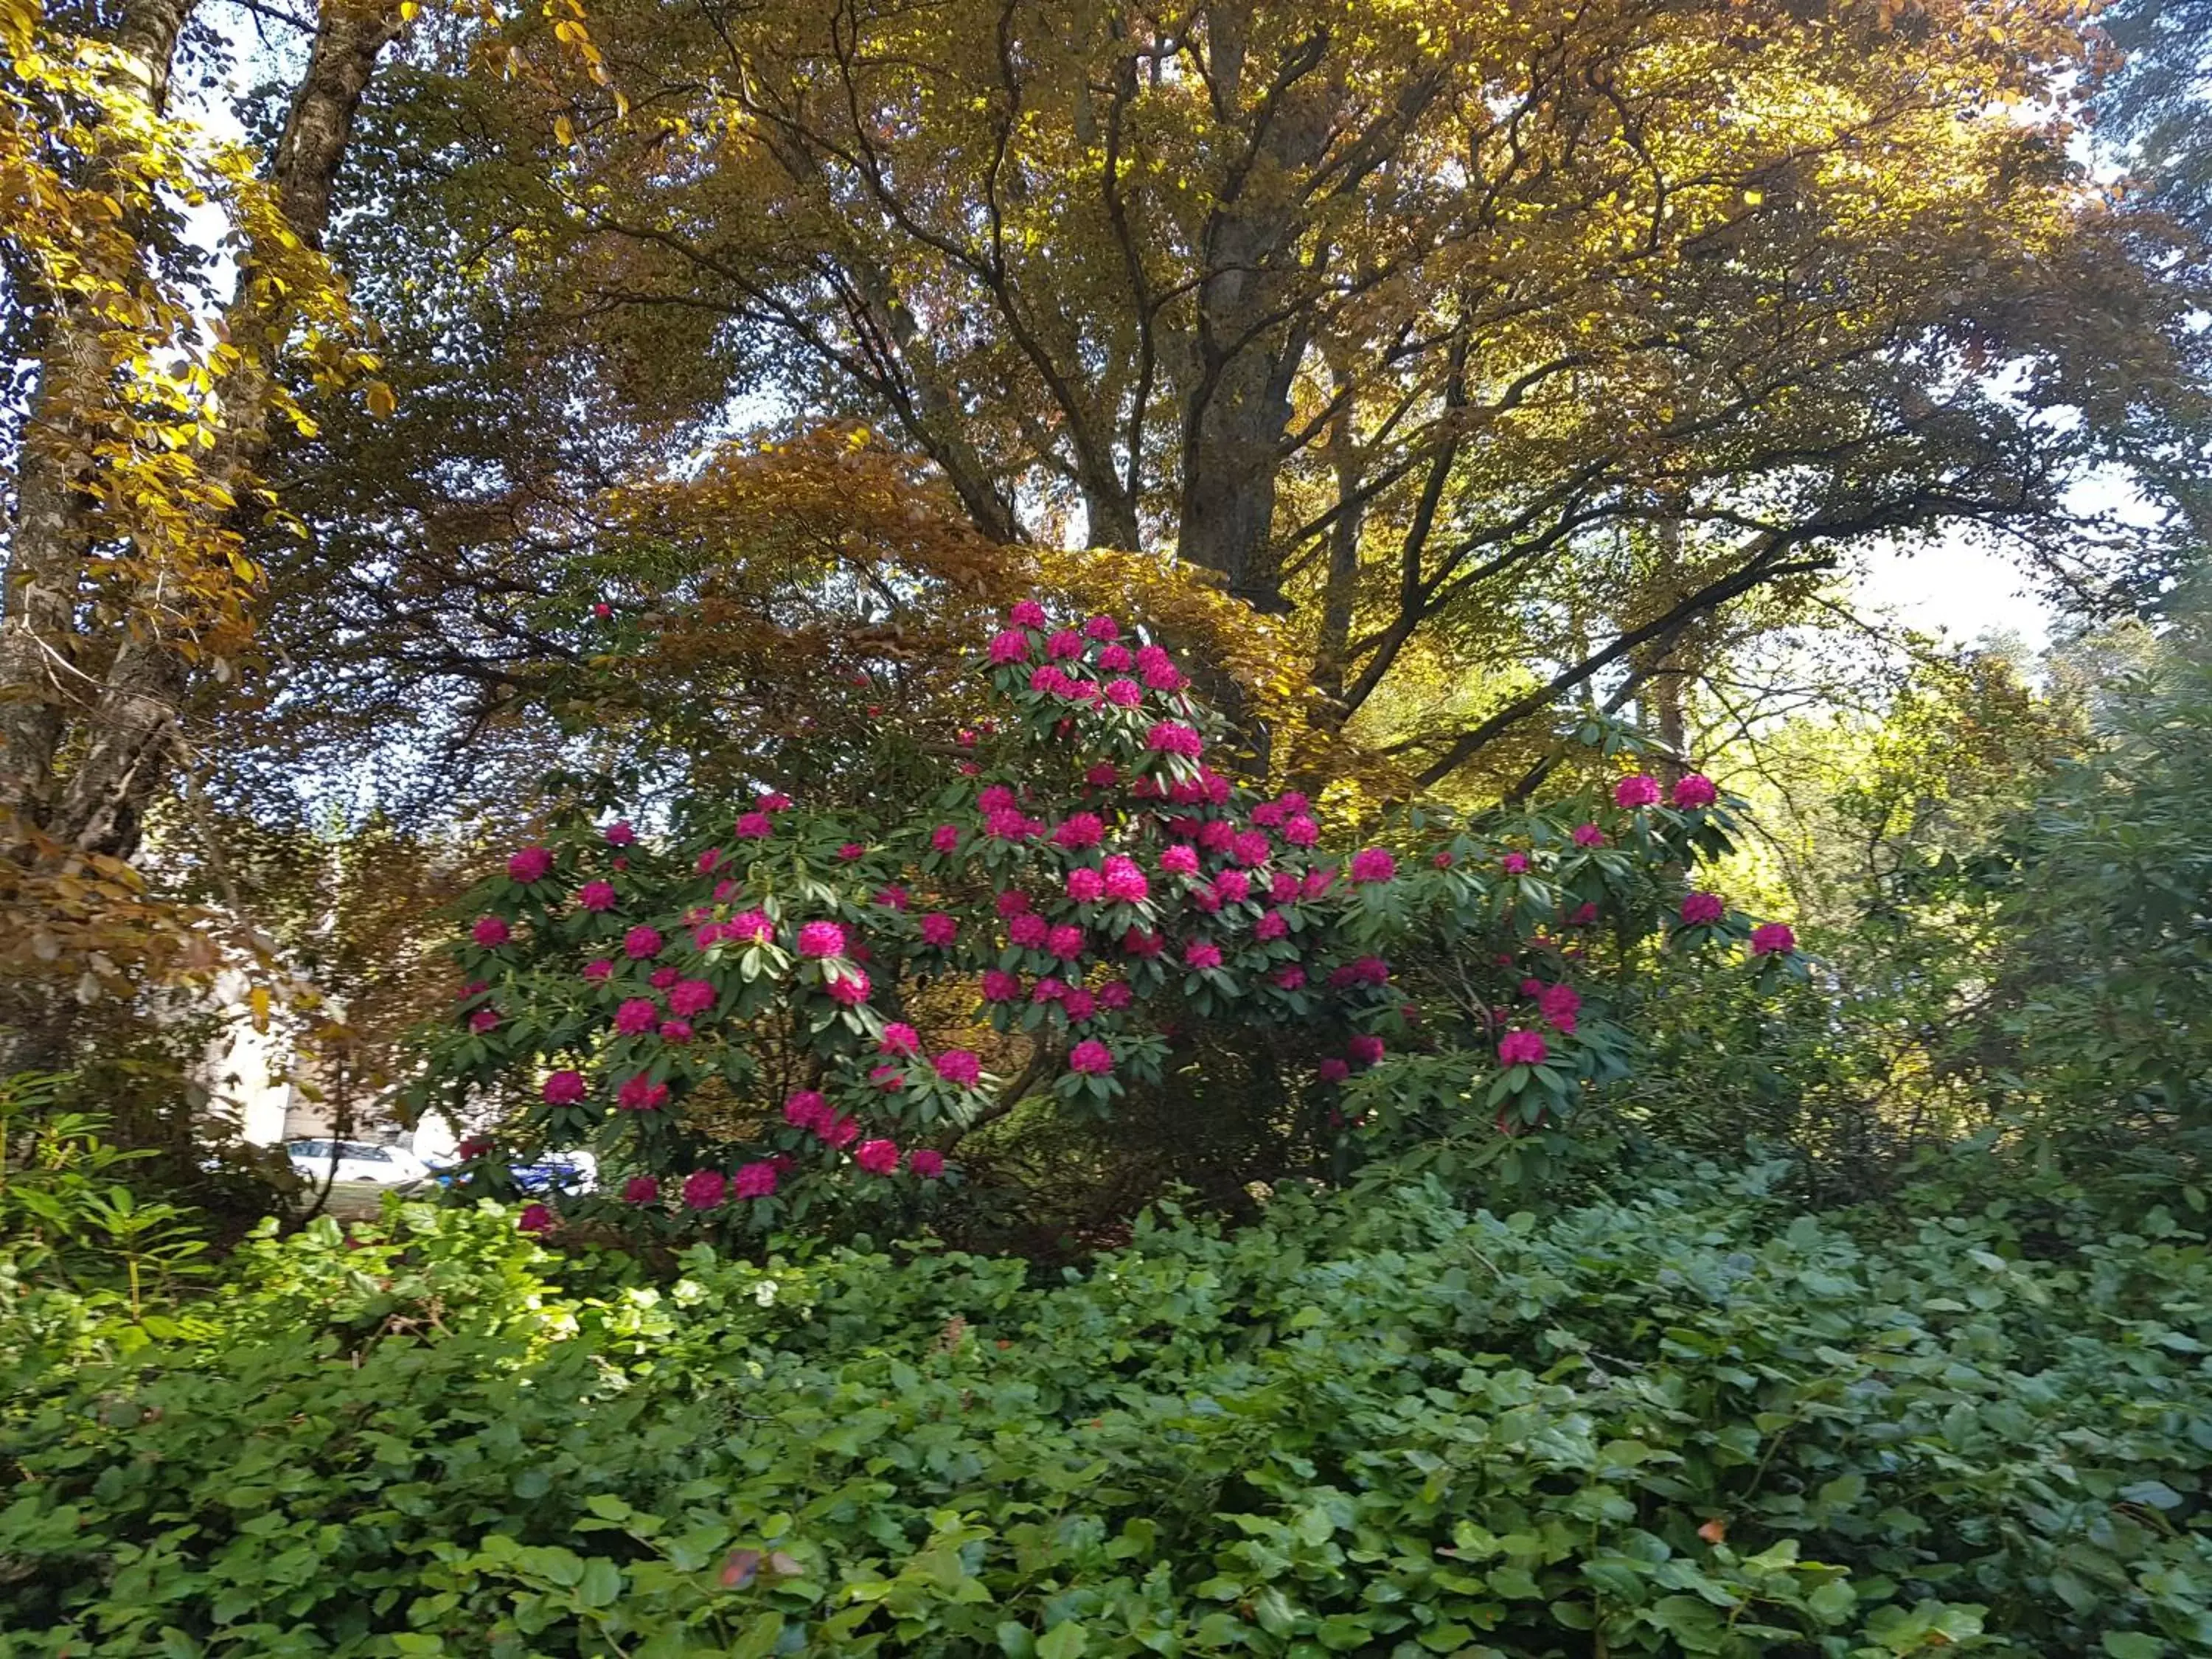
(358, 1160)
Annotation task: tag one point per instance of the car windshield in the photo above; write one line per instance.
(311, 1149)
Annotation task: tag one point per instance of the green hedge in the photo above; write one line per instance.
(1372, 1425)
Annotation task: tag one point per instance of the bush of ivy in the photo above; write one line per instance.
(1374, 1424)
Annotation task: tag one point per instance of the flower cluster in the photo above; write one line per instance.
(1090, 881)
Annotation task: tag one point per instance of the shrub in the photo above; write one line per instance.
(762, 1014)
(1373, 1424)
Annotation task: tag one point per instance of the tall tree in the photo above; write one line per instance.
(134, 456)
(1390, 315)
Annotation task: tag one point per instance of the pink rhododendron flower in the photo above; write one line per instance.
(1522, 1048)
(485, 1019)
(1122, 881)
(1078, 1004)
(639, 942)
(1051, 680)
(1123, 692)
(1559, 1005)
(1115, 658)
(1085, 886)
(852, 852)
(687, 997)
(1332, 1070)
(704, 1189)
(1274, 925)
(754, 826)
(1102, 628)
(1233, 886)
(641, 1189)
(1589, 835)
(1442, 860)
(1156, 669)
(1180, 860)
(1291, 977)
(996, 798)
(1009, 825)
(889, 1079)
(1029, 931)
(491, 931)
(1090, 1057)
(535, 1218)
(1066, 941)
(596, 895)
(899, 1038)
(849, 987)
(925, 1162)
(1173, 737)
(1269, 815)
(1063, 644)
(959, 1066)
(773, 800)
(637, 1014)
(1028, 614)
(806, 1109)
(999, 986)
(1372, 864)
(708, 860)
(640, 1094)
(946, 838)
(1205, 901)
(1080, 830)
(1301, 830)
(1048, 990)
(1514, 864)
(1202, 953)
(1282, 886)
(1141, 942)
(620, 833)
(676, 1030)
(531, 864)
(821, 938)
(939, 929)
(663, 978)
(1010, 645)
(752, 928)
(1694, 790)
(1364, 1050)
(564, 1089)
(1703, 909)
(893, 897)
(1773, 939)
(1583, 917)
(1115, 993)
(1639, 789)
(1319, 880)
(1012, 902)
(1249, 847)
(754, 1181)
(876, 1156)
(599, 972)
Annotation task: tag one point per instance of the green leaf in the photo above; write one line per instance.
(1064, 1640)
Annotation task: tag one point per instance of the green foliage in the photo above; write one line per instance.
(85, 1257)
(1373, 1424)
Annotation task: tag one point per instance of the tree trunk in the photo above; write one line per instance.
(38, 654)
(132, 753)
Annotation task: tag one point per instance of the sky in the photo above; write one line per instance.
(1955, 588)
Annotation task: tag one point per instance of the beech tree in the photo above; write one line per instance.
(1393, 316)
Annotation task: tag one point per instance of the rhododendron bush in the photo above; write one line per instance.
(756, 1012)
